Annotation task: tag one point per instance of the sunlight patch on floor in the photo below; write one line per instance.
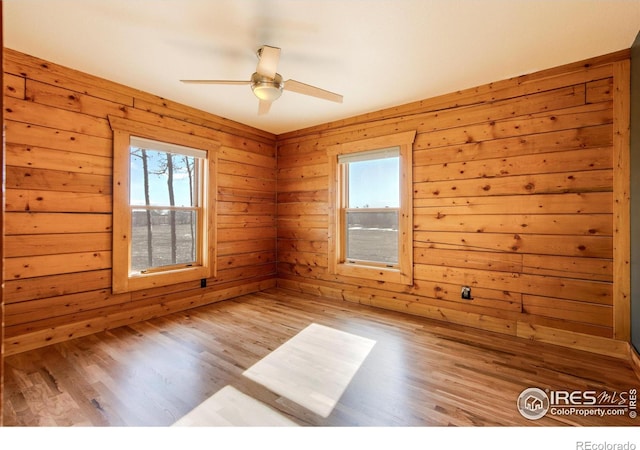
(313, 368)
(231, 408)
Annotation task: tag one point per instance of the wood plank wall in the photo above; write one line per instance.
(58, 205)
(513, 196)
(516, 194)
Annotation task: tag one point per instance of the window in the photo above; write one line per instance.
(165, 202)
(369, 218)
(164, 221)
(370, 229)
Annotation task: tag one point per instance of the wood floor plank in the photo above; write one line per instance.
(420, 372)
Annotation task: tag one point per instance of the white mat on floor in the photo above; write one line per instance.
(313, 368)
(231, 408)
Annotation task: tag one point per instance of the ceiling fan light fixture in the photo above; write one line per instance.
(267, 84)
(267, 89)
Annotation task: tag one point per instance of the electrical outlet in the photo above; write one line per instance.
(466, 292)
(203, 283)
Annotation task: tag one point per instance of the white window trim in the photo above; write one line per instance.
(337, 265)
(122, 280)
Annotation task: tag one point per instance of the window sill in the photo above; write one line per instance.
(377, 273)
(154, 279)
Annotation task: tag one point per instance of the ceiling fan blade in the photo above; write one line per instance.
(306, 89)
(268, 63)
(215, 82)
(263, 107)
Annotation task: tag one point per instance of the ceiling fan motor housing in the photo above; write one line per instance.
(265, 88)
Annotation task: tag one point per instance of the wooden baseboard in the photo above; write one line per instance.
(634, 359)
(571, 339)
(593, 344)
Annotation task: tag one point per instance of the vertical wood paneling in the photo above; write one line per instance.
(59, 202)
(621, 201)
(520, 191)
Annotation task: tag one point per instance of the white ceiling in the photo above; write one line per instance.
(377, 53)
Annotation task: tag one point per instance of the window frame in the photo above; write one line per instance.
(337, 264)
(122, 279)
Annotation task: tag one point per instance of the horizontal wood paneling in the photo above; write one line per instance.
(50, 117)
(557, 162)
(39, 266)
(497, 149)
(57, 201)
(587, 246)
(19, 290)
(44, 158)
(55, 244)
(28, 134)
(571, 224)
(30, 223)
(513, 195)
(55, 180)
(14, 86)
(571, 203)
(59, 204)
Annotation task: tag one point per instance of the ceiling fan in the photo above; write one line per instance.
(268, 85)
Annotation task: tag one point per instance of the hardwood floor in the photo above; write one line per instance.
(419, 373)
